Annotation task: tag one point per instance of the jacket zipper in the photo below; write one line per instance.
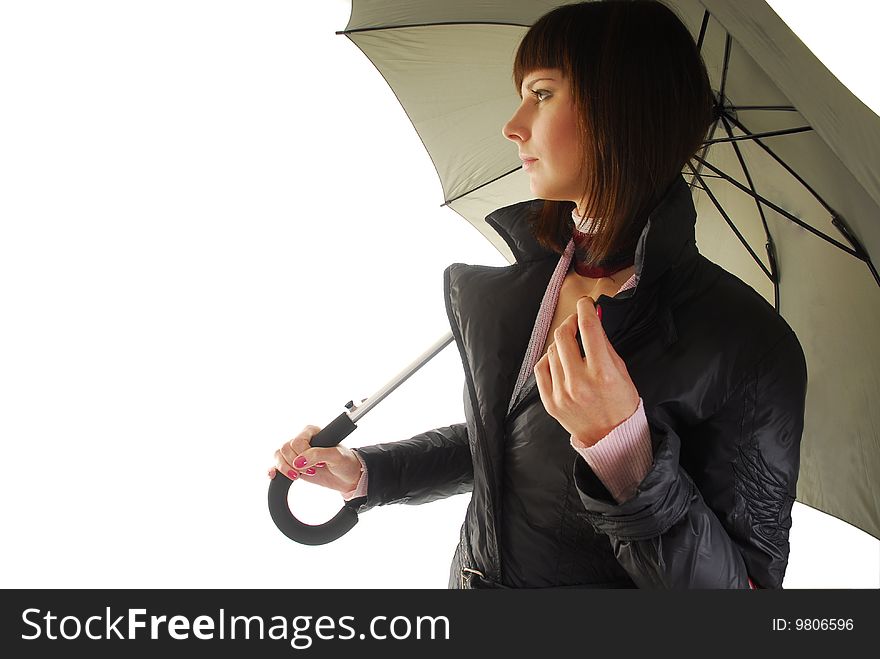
(467, 569)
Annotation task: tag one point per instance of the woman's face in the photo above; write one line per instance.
(544, 127)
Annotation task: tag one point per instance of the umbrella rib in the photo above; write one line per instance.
(726, 64)
(705, 147)
(755, 136)
(783, 212)
(841, 225)
(781, 108)
(769, 246)
(380, 28)
(732, 225)
(703, 26)
(482, 185)
(706, 175)
(693, 183)
(720, 102)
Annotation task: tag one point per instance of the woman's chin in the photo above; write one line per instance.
(538, 190)
(541, 192)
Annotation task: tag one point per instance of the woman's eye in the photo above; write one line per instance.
(537, 94)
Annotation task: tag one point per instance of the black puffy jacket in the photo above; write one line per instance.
(723, 379)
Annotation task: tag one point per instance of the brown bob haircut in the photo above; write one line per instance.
(644, 106)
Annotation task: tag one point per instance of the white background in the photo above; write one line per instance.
(217, 225)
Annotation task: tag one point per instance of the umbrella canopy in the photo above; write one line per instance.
(787, 188)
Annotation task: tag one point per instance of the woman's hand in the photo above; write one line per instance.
(336, 467)
(591, 395)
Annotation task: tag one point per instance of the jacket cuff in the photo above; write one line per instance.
(623, 457)
(660, 500)
(360, 490)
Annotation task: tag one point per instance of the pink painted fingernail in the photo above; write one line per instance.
(291, 474)
(599, 311)
(299, 462)
(310, 471)
(271, 472)
(321, 464)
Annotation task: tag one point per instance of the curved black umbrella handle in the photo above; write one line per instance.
(313, 534)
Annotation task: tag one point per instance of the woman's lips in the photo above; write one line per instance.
(528, 163)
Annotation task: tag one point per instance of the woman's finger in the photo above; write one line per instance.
(316, 457)
(556, 374)
(569, 355)
(284, 466)
(593, 337)
(289, 454)
(292, 451)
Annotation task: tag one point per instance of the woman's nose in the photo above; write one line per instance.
(515, 129)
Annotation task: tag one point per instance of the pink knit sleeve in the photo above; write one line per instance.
(623, 457)
(360, 489)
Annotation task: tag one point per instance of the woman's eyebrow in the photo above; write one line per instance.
(538, 80)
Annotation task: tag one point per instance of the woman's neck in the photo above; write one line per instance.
(618, 278)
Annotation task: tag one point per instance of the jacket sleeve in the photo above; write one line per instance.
(672, 534)
(432, 465)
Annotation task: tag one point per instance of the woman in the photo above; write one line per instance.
(633, 411)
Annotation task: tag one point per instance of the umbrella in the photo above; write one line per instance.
(786, 188)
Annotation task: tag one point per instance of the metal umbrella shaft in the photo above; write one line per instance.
(331, 435)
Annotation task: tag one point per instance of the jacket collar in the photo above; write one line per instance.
(670, 229)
